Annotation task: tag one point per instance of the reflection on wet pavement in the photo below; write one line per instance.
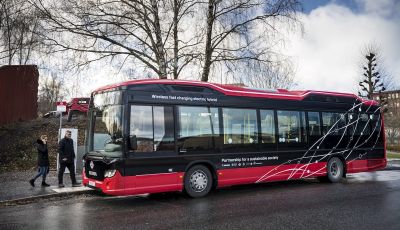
(374, 176)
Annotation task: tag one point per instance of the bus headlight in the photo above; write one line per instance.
(109, 173)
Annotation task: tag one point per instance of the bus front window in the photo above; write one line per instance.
(107, 130)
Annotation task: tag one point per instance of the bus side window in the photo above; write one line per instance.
(141, 125)
(360, 124)
(153, 127)
(240, 126)
(314, 124)
(267, 126)
(314, 129)
(333, 123)
(291, 127)
(375, 122)
(198, 128)
(163, 119)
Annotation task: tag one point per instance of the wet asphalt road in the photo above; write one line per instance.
(363, 201)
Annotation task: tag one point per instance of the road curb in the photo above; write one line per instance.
(31, 199)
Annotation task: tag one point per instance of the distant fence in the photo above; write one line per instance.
(18, 93)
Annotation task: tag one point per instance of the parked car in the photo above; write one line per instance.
(51, 114)
(78, 105)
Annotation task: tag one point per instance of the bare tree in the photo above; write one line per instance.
(277, 75)
(168, 36)
(19, 25)
(231, 30)
(50, 91)
(392, 128)
(141, 30)
(374, 78)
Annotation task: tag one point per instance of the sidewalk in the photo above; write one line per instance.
(15, 187)
(393, 164)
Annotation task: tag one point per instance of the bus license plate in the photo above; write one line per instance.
(92, 183)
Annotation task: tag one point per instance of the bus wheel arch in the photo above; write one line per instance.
(199, 169)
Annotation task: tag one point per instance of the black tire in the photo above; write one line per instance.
(335, 170)
(198, 181)
(323, 179)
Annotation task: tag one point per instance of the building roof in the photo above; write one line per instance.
(386, 92)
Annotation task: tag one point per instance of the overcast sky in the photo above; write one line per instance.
(328, 55)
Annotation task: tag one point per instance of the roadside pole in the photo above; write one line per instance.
(61, 108)
(59, 129)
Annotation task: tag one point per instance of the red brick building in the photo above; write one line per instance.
(18, 93)
(393, 101)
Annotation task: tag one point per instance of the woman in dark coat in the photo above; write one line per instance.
(43, 161)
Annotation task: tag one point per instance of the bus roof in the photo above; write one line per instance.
(232, 90)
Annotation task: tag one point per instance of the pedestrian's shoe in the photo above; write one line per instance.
(61, 185)
(44, 184)
(32, 182)
(76, 185)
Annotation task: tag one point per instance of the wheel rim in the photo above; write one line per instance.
(198, 181)
(335, 169)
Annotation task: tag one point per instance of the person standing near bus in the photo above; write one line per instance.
(43, 161)
(66, 159)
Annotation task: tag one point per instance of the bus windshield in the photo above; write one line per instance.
(107, 130)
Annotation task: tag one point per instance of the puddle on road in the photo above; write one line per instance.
(374, 176)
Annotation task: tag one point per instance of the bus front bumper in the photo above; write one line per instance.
(112, 186)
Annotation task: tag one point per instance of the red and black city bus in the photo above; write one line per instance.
(151, 136)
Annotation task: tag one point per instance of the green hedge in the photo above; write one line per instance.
(393, 148)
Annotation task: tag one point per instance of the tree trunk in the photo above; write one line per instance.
(176, 47)
(160, 54)
(209, 50)
(370, 83)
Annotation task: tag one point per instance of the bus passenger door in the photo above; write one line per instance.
(315, 140)
(292, 141)
(151, 166)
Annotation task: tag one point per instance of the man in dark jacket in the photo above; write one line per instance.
(43, 161)
(66, 159)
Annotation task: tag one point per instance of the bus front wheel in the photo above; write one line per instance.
(335, 170)
(198, 181)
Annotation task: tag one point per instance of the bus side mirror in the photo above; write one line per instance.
(133, 142)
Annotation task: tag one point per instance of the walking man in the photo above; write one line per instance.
(66, 159)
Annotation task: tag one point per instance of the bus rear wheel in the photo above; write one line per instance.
(198, 181)
(335, 170)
